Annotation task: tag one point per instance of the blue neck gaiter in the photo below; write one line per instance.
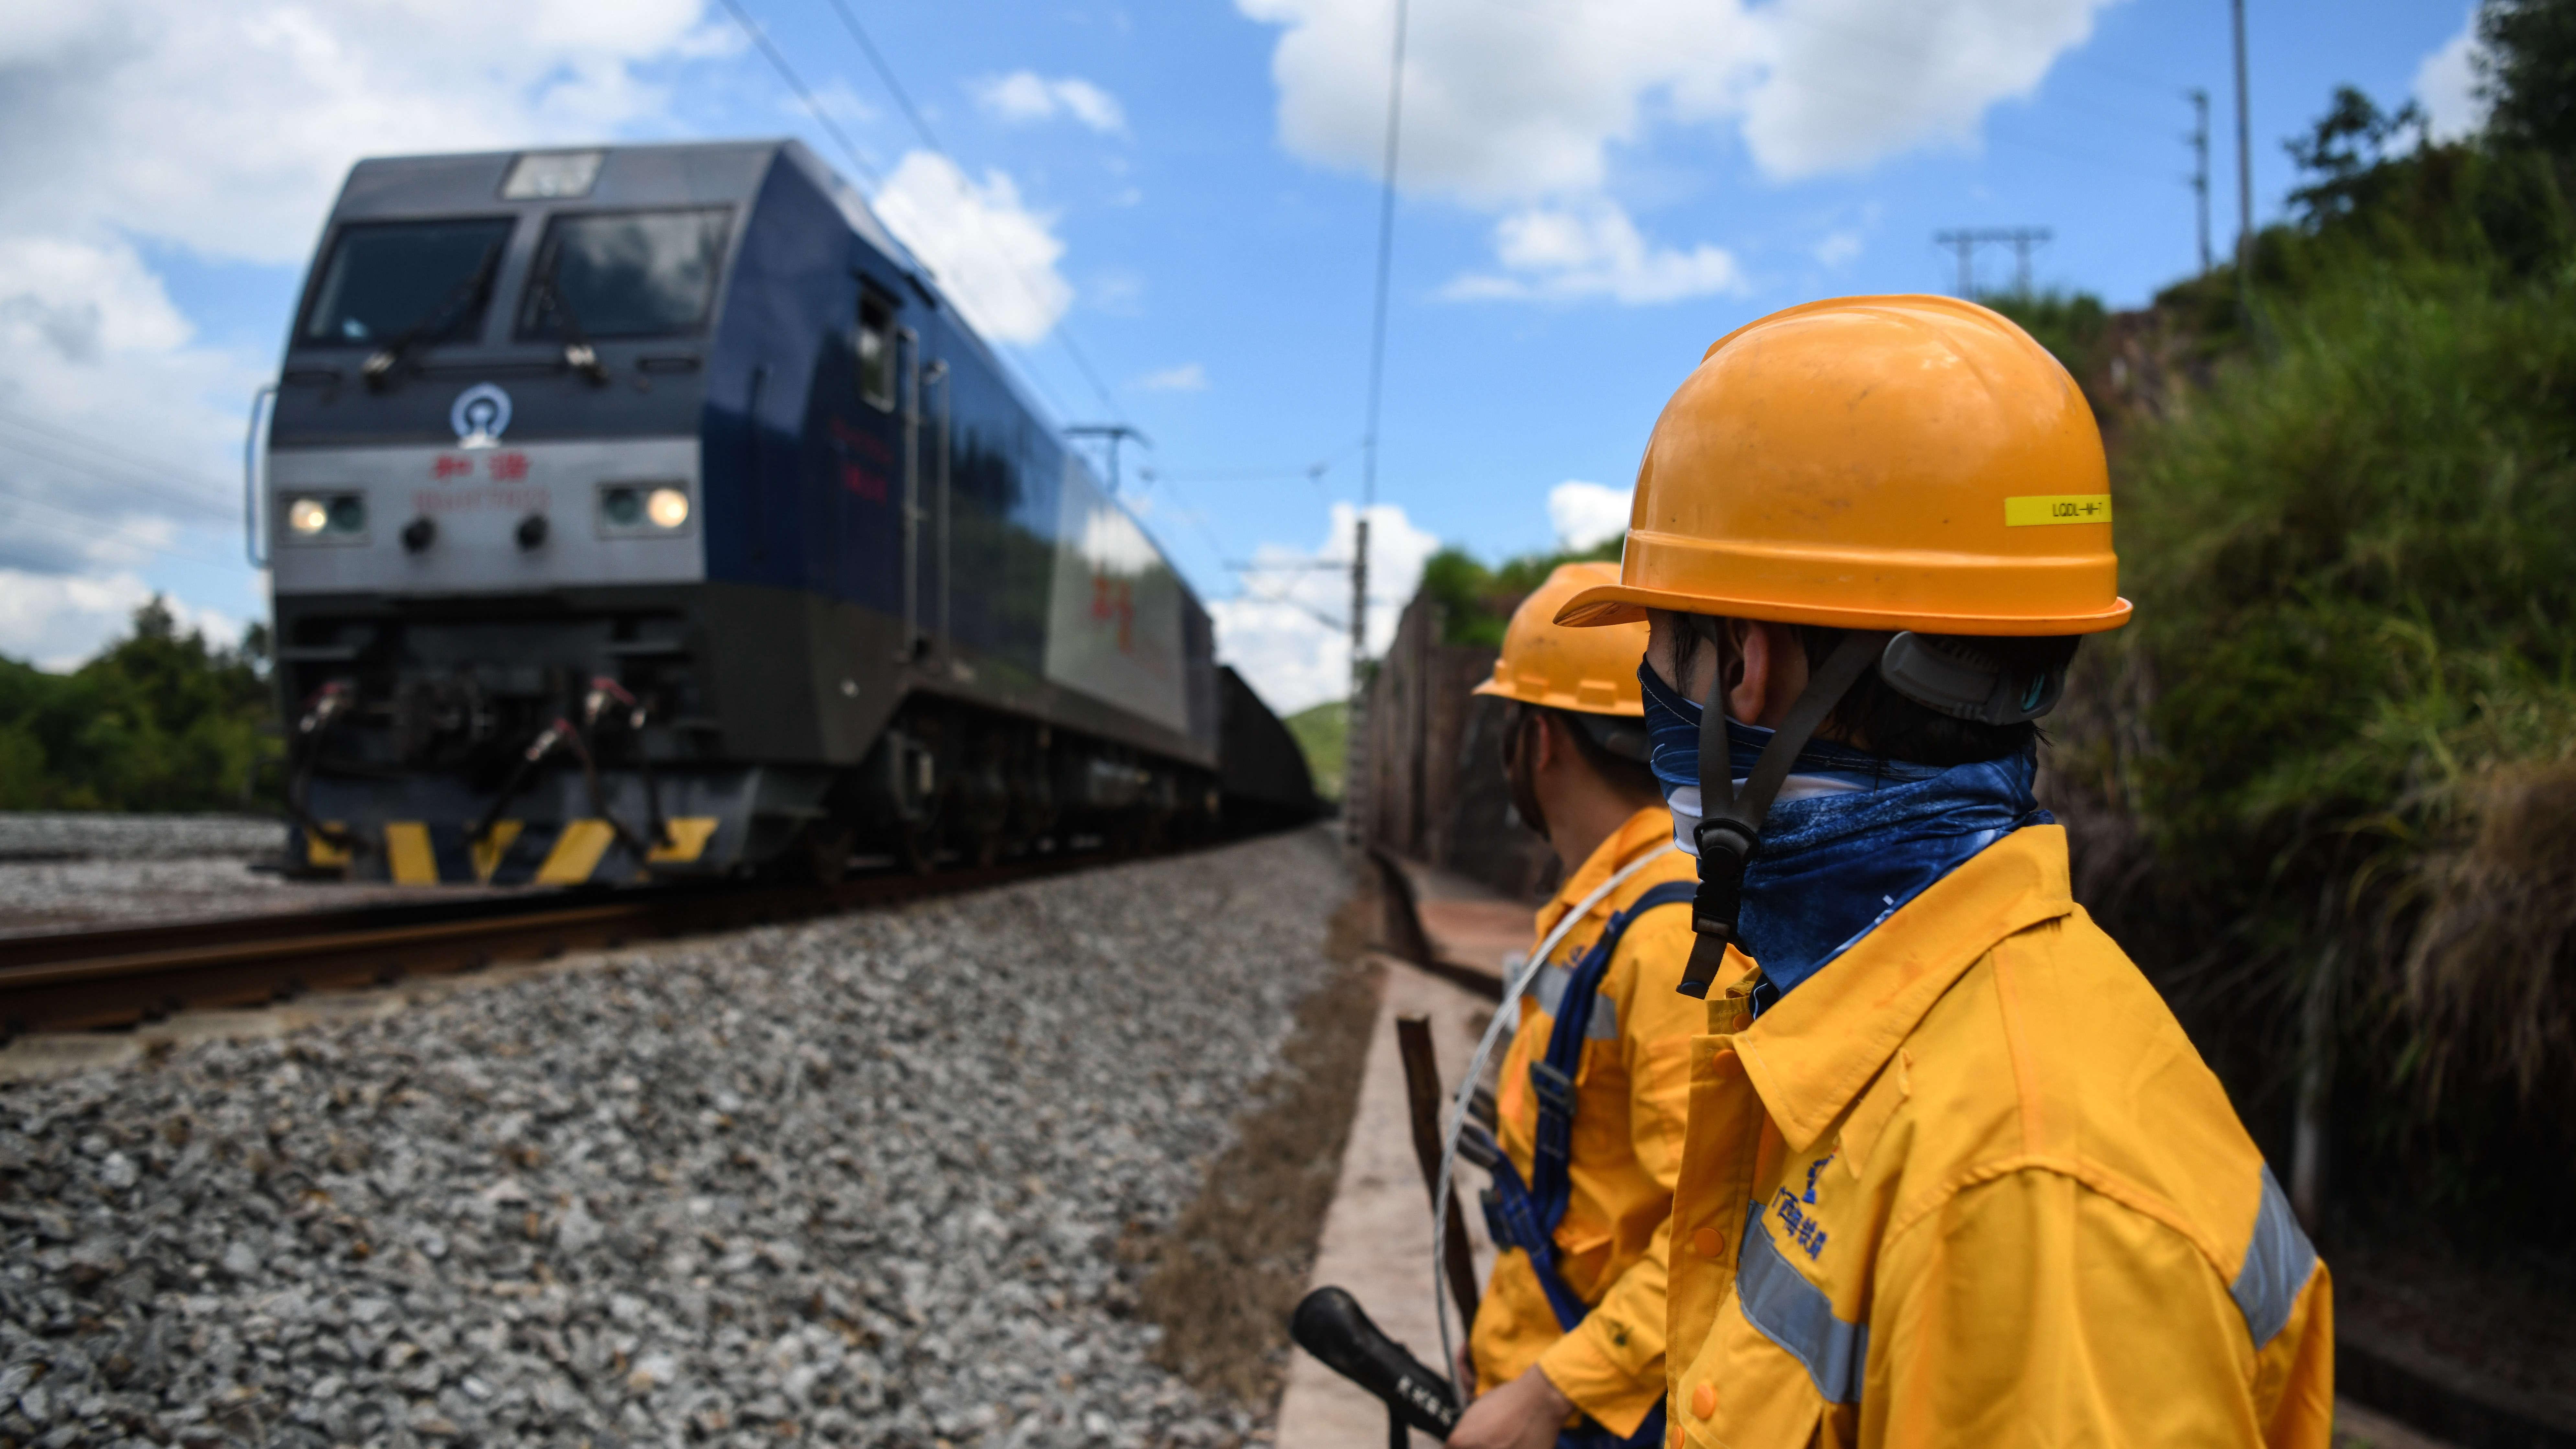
(1852, 837)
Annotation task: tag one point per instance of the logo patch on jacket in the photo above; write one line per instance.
(1799, 1224)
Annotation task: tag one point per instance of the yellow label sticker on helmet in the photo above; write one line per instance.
(2034, 510)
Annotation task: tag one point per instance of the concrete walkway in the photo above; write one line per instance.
(1469, 926)
(1377, 1236)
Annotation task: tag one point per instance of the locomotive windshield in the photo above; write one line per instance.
(624, 274)
(422, 280)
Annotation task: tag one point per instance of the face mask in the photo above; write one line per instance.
(1852, 837)
(1822, 768)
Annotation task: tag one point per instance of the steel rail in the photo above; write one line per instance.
(119, 976)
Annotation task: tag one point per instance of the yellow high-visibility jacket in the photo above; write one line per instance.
(1971, 1185)
(1630, 1091)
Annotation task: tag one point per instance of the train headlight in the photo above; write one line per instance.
(326, 518)
(643, 509)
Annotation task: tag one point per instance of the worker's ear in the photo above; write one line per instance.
(1547, 742)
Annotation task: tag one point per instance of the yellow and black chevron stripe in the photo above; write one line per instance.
(518, 852)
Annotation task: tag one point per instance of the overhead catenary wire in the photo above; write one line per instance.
(867, 172)
(164, 481)
(203, 507)
(920, 124)
(778, 62)
(90, 530)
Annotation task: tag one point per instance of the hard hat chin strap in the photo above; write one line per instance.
(1730, 823)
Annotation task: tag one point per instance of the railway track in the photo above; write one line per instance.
(125, 975)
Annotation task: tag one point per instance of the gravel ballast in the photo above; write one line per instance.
(888, 1179)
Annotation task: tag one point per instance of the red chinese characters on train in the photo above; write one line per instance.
(1113, 597)
(862, 461)
(510, 467)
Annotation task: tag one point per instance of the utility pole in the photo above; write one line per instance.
(2022, 239)
(2200, 167)
(2244, 176)
(1116, 433)
(1966, 242)
(1355, 755)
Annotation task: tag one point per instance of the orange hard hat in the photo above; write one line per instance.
(1907, 462)
(1593, 672)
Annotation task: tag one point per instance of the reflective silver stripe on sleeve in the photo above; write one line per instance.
(1602, 1025)
(2277, 1264)
(1794, 1313)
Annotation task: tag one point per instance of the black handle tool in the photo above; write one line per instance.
(1330, 1325)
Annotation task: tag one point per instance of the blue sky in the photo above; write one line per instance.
(1591, 194)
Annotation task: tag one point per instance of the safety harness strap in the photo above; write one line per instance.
(1730, 824)
(1525, 1215)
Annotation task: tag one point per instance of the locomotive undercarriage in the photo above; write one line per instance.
(593, 753)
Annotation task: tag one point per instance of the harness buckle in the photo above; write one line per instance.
(1555, 1088)
(1719, 901)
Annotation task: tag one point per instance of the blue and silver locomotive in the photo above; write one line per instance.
(649, 510)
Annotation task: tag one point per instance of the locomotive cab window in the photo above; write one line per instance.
(424, 280)
(875, 342)
(623, 274)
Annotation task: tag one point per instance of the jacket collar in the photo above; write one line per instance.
(1646, 830)
(1813, 1051)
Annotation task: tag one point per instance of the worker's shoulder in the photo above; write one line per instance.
(1654, 927)
(2054, 1054)
(1665, 868)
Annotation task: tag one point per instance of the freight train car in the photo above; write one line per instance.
(649, 510)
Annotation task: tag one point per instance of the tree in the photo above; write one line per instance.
(2527, 71)
(2344, 151)
(159, 720)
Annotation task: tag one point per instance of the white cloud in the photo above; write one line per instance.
(1844, 83)
(1523, 108)
(1837, 248)
(1587, 514)
(991, 253)
(2446, 85)
(1564, 253)
(227, 128)
(58, 620)
(1188, 377)
(222, 131)
(1508, 104)
(114, 425)
(1285, 631)
(1024, 96)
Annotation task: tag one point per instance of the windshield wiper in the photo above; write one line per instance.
(378, 369)
(578, 354)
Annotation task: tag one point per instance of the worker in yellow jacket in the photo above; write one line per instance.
(1569, 1340)
(1954, 1175)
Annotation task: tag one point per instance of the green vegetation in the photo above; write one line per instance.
(1324, 733)
(160, 720)
(2340, 737)
(1476, 601)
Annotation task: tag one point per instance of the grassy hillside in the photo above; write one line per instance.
(2327, 778)
(1324, 733)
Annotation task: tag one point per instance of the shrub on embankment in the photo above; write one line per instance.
(2325, 784)
(159, 720)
